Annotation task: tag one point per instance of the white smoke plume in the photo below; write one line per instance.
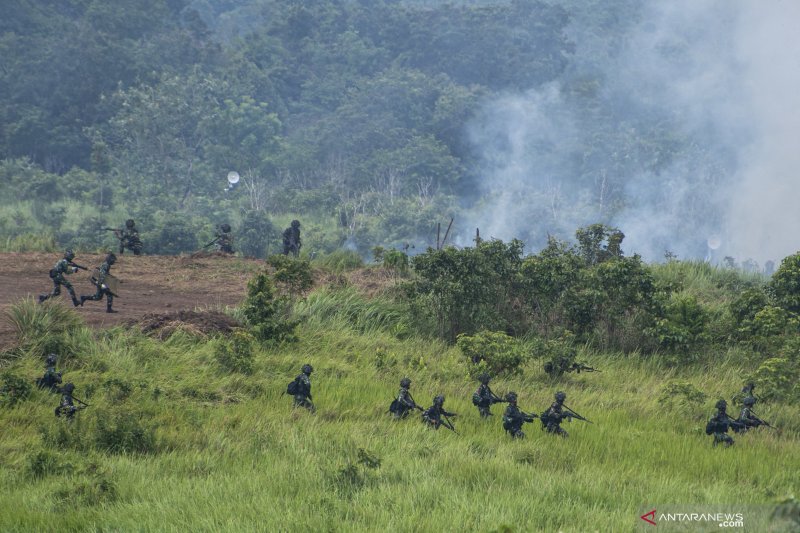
(682, 130)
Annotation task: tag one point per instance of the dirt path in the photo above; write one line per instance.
(150, 284)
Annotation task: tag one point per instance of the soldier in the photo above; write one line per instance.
(291, 239)
(51, 379)
(747, 418)
(102, 288)
(513, 418)
(433, 415)
(746, 392)
(404, 403)
(302, 389)
(719, 423)
(129, 238)
(64, 266)
(552, 418)
(66, 407)
(483, 398)
(224, 239)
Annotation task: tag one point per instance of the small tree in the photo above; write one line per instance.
(493, 352)
(267, 313)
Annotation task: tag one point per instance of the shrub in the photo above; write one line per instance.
(266, 313)
(13, 390)
(255, 235)
(785, 284)
(492, 351)
(292, 275)
(123, 432)
(340, 260)
(236, 354)
(681, 396)
(43, 328)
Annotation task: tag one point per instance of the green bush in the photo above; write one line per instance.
(267, 314)
(785, 284)
(236, 354)
(43, 328)
(256, 234)
(492, 351)
(13, 389)
(123, 432)
(292, 275)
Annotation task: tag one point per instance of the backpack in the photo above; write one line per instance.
(395, 407)
(711, 427)
(507, 423)
(293, 388)
(53, 273)
(476, 399)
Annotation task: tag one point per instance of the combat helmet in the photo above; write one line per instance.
(484, 378)
(68, 388)
(52, 359)
(561, 396)
(295, 223)
(69, 255)
(511, 397)
(226, 228)
(405, 383)
(438, 400)
(721, 405)
(749, 401)
(111, 258)
(307, 369)
(130, 223)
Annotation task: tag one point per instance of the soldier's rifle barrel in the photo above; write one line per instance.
(579, 417)
(77, 266)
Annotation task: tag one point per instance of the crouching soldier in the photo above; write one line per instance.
(435, 415)
(719, 424)
(51, 379)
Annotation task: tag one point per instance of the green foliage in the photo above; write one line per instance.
(348, 308)
(124, 431)
(255, 234)
(778, 378)
(744, 307)
(43, 463)
(681, 396)
(291, 274)
(392, 260)
(785, 284)
(44, 328)
(683, 328)
(340, 261)
(266, 312)
(176, 235)
(13, 389)
(598, 243)
(492, 351)
(236, 354)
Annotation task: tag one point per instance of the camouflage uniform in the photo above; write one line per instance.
(719, 423)
(291, 239)
(483, 398)
(404, 402)
(746, 417)
(63, 267)
(224, 239)
(129, 238)
(102, 289)
(432, 416)
(66, 407)
(51, 379)
(513, 418)
(302, 397)
(552, 418)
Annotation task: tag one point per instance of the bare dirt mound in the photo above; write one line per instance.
(204, 323)
(150, 284)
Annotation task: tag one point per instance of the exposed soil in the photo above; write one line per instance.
(155, 289)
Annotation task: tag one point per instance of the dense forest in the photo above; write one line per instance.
(369, 121)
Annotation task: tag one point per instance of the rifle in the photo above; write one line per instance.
(415, 403)
(117, 232)
(763, 422)
(529, 417)
(578, 367)
(576, 415)
(209, 244)
(449, 425)
(70, 263)
(737, 425)
(496, 399)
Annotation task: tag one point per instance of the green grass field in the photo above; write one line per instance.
(172, 442)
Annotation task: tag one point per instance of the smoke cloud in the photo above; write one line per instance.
(680, 132)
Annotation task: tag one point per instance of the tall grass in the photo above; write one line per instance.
(708, 282)
(47, 327)
(173, 442)
(348, 308)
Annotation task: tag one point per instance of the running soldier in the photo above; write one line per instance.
(484, 398)
(64, 267)
(552, 418)
(102, 288)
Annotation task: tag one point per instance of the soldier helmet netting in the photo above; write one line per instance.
(130, 223)
(226, 228)
(511, 397)
(405, 383)
(561, 396)
(69, 255)
(721, 404)
(749, 401)
(295, 223)
(438, 400)
(52, 359)
(307, 369)
(484, 378)
(68, 388)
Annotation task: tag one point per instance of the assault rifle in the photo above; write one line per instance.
(581, 367)
(70, 263)
(497, 399)
(117, 232)
(448, 424)
(576, 415)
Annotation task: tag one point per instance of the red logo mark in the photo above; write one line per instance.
(652, 515)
